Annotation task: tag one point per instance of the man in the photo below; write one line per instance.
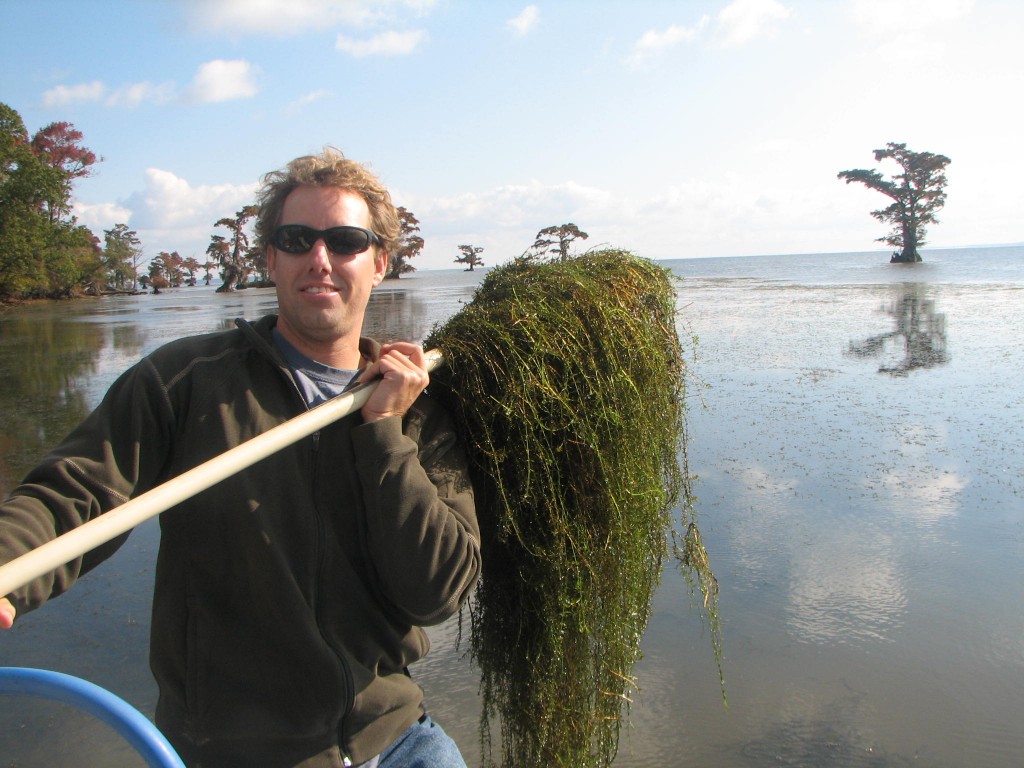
(289, 598)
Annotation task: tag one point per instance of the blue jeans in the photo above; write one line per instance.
(424, 745)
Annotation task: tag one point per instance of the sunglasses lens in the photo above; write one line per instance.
(346, 241)
(295, 238)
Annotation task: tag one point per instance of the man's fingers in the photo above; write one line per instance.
(411, 352)
(403, 373)
(397, 356)
(7, 614)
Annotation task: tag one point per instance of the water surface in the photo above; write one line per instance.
(857, 439)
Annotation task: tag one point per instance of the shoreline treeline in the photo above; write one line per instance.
(44, 251)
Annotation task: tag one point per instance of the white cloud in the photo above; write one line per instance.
(62, 95)
(223, 80)
(653, 42)
(169, 201)
(761, 219)
(529, 206)
(307, 99)
(906, 33)
(100, 216)
(217, 80)
(738, 23)
(130, 95)
(171, 214)
(907, 15)
(285, 17)
(505, 219)
(384, 44)
(744, 20)
(525, 21)
(133, 94)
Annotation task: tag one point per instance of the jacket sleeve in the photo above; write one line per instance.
(99, 466)
(421, 526)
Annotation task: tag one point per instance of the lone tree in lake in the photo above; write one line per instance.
(917, 192)
(557, 239)
(471, 256)
(234, 254)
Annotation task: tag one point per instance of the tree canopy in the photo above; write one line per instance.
(166, 270)
(557, 240)
(44, 251)
(121, 256)
(470, 256)
(918, 191)
(59, 146)
(236, 258)
(409, 245)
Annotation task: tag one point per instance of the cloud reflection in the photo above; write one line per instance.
(846, 591)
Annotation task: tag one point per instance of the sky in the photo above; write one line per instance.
(671, 128)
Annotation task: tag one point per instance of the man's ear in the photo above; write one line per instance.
(381, 266)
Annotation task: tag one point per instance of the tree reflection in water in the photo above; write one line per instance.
(919, 339)
(45, 364)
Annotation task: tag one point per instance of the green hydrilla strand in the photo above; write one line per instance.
(567, 383)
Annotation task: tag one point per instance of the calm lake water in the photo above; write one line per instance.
(859, 447)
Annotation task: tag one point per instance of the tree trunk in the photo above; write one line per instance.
(909, 254)
(231, 278)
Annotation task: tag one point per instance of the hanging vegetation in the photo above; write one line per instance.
(566, 380)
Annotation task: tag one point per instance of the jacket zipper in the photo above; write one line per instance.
(321, 538)
(320, 554)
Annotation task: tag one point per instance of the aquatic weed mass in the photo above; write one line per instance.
(567, 382)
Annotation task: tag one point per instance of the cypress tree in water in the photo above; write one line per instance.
(566, 380)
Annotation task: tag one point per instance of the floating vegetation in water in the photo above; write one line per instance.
(567, 382)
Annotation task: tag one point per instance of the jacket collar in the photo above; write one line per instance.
(259, 334)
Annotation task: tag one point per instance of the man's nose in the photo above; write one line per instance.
(320, 254)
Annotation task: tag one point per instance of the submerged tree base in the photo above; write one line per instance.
(567, 383)
(903, 257)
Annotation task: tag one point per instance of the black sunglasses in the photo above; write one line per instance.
(341, 241)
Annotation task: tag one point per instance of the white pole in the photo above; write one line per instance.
(102, 529)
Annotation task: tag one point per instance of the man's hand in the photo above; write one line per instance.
(6, 613)
(403, 376)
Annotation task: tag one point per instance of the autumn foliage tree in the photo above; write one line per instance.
(207, 266)
(217, 251)
(166, 270)
(43, 249)
(191, 266)
(59, 146)
(25, 184)
(917, 192)
(409, 245)
(157, 279)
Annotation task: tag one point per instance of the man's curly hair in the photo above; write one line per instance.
(330, 168)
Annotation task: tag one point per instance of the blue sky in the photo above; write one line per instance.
(673, 128)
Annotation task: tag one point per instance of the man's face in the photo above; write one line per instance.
(321, 295)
